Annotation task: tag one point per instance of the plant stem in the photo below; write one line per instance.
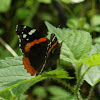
(93, 7)
(79, 83)
(77, 87)
(66, 7)
(90, 94)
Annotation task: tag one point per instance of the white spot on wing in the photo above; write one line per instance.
(49, 45)
(24, 27)
(18, 36)
(24, 35)
(19, 40)
(54, 38)
(27, 39)
(16, 27)
(19, 45)
(32, 31)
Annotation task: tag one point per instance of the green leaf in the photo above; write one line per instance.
(92, 74)
(46, 16)
(23, 97)
(97, 28)
(93, 60)
(6, 95)
(23, 13)
(5, 5)
(73, 23)
(95, 49)
(97, 40)
(59, 93)
(12, 73)
(76, 44)
(58, 73)
(78, 23)
(15, 80)
(40, 92)
(45, 1)
(95, 21)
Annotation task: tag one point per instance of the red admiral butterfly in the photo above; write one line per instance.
(39, 52)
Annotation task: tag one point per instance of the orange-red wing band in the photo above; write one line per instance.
(52, 46)
(29, 45)
(28, 66)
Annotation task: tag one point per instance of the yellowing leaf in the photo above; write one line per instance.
(93, 60)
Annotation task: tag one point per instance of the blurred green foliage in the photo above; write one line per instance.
(5, 5)
(56, 92)
(81, 15)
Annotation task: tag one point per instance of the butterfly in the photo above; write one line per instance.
(39, 52)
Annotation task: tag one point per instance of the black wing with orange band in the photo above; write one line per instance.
(39, 51)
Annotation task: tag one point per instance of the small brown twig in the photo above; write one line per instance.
(8, 47)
